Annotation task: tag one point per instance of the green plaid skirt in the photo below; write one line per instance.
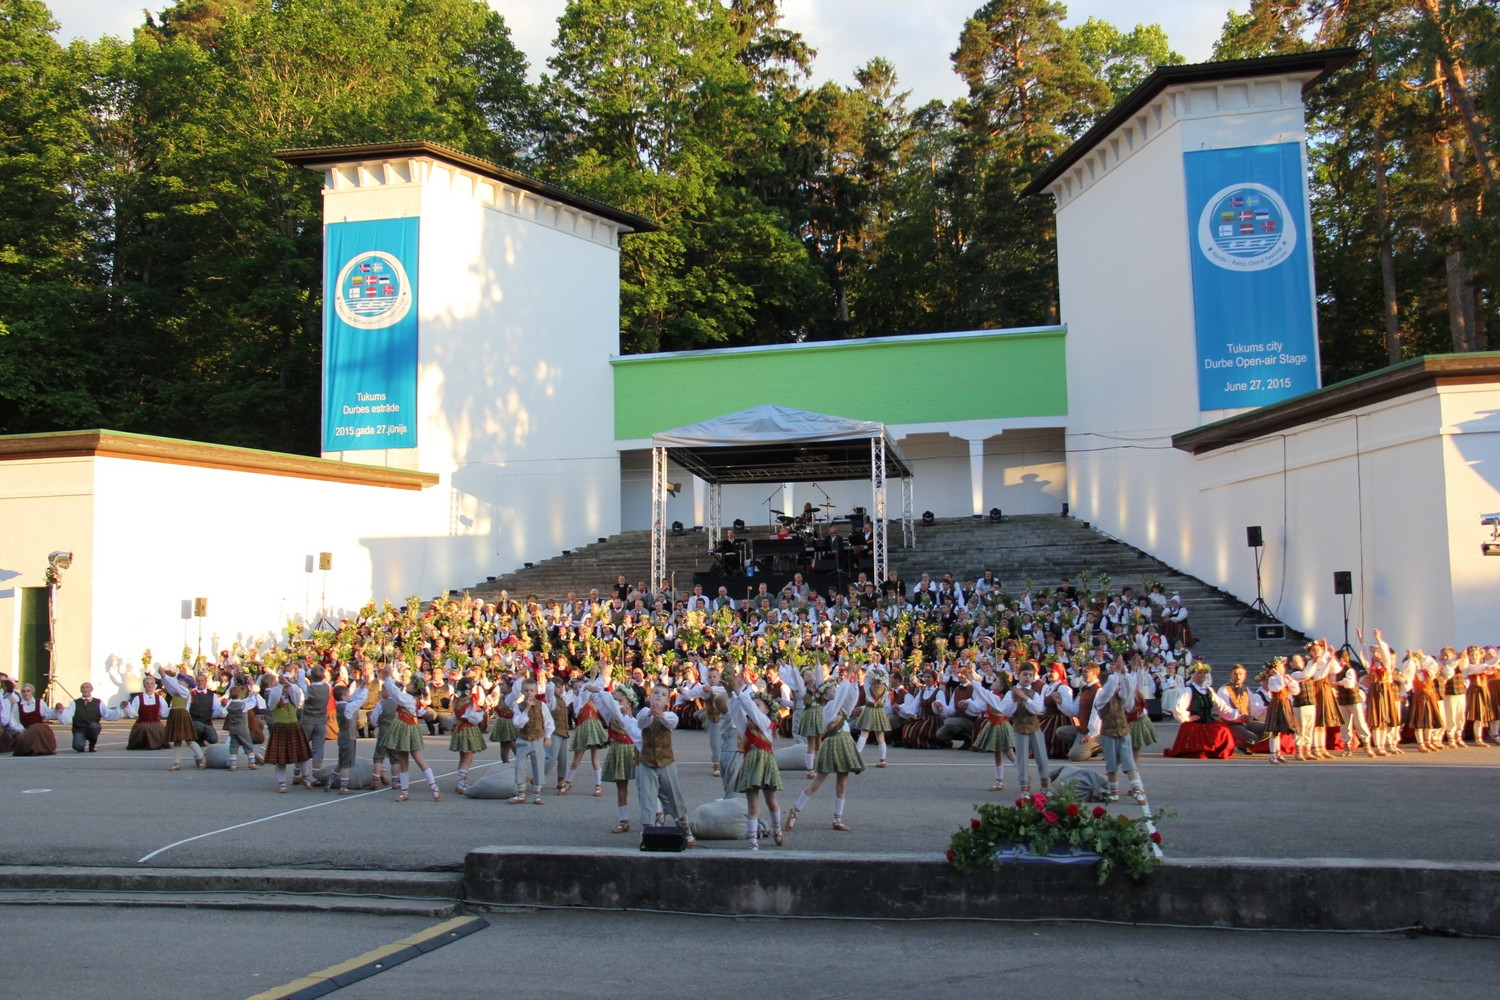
(588, 735)
(619, 762)
(839, 755)
(993, 737)
(402, 737)
(872, 719)
(811, 723)
(466, 739)
(759, 772)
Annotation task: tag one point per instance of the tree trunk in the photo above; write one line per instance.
(1387, 258)
(1455, 82)
(1454, 262)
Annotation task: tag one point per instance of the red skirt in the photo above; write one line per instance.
(1287, 744)
(1203, 741)
(36, 740)
(7, 741)
(287, 744)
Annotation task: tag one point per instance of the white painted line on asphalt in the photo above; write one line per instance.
(290, 812)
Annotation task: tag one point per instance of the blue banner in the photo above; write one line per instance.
(1252, 275)
(370, 335)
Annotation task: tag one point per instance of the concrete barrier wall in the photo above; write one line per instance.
(1317, 894)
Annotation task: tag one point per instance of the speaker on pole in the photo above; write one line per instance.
(1253, 536)
(1343, 582)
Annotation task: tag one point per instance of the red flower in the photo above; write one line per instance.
(1039, 800)
(1020, 803)
(1098, 812)
(1050, 816)
(951, 855)
(1155, 837)
(1073, 809)
(974, 824)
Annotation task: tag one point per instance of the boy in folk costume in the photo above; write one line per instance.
(237, 725)
(589, 736)
(656, 775)
(555, 693)
(703, 691)
(317, 696)
(1454, 686)
(1110, 719)
(751, 713)
(617, 708)
(1305, 705)
(1022, 705)
(468, 732)
(837, 754)
(87, 712)
(348, 704)
(180, 728)
(535, 726)
(874, 718)
(1352, 711)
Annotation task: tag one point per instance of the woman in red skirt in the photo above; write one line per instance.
(149, 708)
(35, 738)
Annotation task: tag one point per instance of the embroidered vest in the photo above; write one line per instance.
(1024, 721)
(1113, 720)
(536, 726)
(656, 745)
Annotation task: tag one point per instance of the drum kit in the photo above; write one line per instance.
(809, 527)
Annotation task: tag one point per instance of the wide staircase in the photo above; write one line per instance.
(1042, 548)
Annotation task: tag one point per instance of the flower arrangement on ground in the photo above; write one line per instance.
(1041, 824)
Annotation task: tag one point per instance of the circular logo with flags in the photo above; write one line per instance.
(1246, 227)
(372, 291)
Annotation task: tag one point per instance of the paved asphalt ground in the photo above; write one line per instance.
(148, 954)
(119, 808)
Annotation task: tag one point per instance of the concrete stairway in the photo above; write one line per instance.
(1041, 547)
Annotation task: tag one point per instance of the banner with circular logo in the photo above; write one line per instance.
(1253, 306)
(370, 335)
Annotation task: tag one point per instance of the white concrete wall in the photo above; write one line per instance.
(47, 505)
(1470, 430)
(518, 309)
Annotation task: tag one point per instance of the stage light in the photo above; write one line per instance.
(928, 518)
(739, 524)
(996, 516)
(1065, 510)
(673, 489)
(678, 529)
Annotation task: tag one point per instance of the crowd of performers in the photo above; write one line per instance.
(1027, 679)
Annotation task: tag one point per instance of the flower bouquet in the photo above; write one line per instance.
(1056, 828)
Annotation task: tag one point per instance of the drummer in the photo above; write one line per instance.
(809, 513)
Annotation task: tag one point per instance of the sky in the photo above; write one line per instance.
(916, 37)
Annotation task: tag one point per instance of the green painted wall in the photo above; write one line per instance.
(896, 380)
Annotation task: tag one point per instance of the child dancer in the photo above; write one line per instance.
(180, 729)
(656, 776)
(874, 719)
(1304, 705)
(504, 731)
(997, 736)
(286, 745)
(837, 754)
(348, 705)
(468, 733)
(1280, 690)
(1478, 711)
(237, 725)
(704, 691)
(1111, 719)
(809, 724)
(588, 735)
(1022, 704)
(751, 715)
(1351, 699)
(535, 726)
(403, 736)
(1426, 718)
(1142, 729)
(1455, 685)
(617, 707)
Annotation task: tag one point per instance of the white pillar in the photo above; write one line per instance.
(976, 474)
(700, 502)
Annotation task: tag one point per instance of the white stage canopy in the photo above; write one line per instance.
(776, 444)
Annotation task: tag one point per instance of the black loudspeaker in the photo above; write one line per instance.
(1343, 582)
(857, 521)
(1253, 537)
(671, 839)
(1268, 632)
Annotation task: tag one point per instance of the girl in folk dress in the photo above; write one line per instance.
(504, 731)
(875, 719)
(1478, 710)
(180, 729)
(403, 736)
(810, 722)
(286, 745)
(996, 736)
(468, 733)
(751, 714)
(617, 708)
(1280, 690)
(837, 754)
(589, 736)
(149, 709)
(1142, 729)
(1426, 718)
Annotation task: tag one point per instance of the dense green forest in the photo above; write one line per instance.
(160, 270)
